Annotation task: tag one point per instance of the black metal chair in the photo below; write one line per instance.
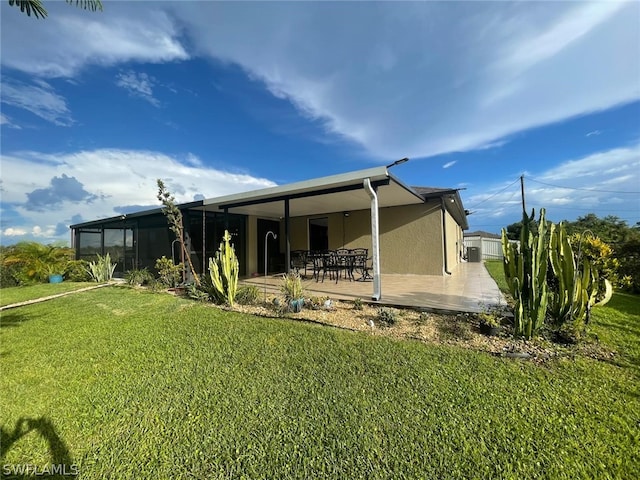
(298, 261)
(361, 263)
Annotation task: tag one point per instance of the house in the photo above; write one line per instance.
(407, 230)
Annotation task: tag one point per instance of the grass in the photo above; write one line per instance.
(496, 270)
(12, 295)
(131, 384)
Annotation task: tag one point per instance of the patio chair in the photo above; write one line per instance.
(332, 265)
(315, 260)
(298, 260)
(361, 263)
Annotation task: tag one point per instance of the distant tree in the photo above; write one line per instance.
(38, 10)
(609, 229)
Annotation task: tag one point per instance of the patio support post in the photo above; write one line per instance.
(375, 239)
(204, 241)
(287, 255)
(226, 218)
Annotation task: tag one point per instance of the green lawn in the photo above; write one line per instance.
(496, 270)
(12, 295)
(132, 384)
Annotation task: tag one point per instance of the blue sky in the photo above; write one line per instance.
(218, 98)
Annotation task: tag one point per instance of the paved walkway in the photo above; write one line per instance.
(468, 289)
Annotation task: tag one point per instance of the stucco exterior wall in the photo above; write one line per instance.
(411, 240)
(452, 230)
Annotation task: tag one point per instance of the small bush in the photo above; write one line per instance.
(77, 271)
(387, 316)
(138, 276)
(169, 274)
(357, 304)
(248, 295)
(198, 294)
(291, 286)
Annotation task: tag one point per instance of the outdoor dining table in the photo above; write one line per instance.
(335, 262)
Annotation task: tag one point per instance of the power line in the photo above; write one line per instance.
(581, 189)
(497, 193)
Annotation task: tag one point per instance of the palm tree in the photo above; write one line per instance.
(35, 6)
(36, 262)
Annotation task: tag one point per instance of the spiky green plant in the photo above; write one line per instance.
(575, 284)
(223, 271)
(525, 269)
(102, 269)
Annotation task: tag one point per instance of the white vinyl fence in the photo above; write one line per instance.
(490, 248)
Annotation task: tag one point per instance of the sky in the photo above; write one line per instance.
(220, 97)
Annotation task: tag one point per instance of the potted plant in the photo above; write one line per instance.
(490, 321)
(55, 271)
(292, 290)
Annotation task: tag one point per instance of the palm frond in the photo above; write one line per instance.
(28, 6)
(92, 5)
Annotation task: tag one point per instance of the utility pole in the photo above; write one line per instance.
(524, 209)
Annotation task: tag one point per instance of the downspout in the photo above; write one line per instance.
(444, 236)
(375, 243)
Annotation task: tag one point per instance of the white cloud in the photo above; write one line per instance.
(38, 98)
(4, 120)
(14, 232)
(593, 183)
(105, 181)
(593, 133)
(449, 164)
(70, 38)
(138, 85)
(456, 78)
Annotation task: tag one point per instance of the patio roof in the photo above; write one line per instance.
(318, 196)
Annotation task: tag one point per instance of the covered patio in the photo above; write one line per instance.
(469, 288)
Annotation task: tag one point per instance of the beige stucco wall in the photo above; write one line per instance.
(453, 241)
(411, 239)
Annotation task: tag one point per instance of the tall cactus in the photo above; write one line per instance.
(223, 271)
(576, 282)
(525, 269)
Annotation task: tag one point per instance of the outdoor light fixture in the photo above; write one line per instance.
(398, 162)
(346, 214)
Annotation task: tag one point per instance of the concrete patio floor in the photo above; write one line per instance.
(469, 288)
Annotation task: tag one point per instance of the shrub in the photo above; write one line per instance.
(169, 274)
(102, 269)
(248, 295)
(197, 293)
(600, 255)
(32, 262)
(628, 255)
(140, 276)
(223, 271)
(387, 316)
(357, 304)
(77, 271)
(291, 286)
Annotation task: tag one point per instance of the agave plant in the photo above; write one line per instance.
(102, 269)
